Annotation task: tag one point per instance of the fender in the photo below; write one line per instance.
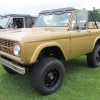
(41, 47)
(97, 38)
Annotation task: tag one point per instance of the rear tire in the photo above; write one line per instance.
(8, 70)
(93, 59)
(47, 75)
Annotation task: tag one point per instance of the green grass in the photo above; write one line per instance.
(81, 83)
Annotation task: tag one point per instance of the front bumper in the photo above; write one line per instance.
(12, 66)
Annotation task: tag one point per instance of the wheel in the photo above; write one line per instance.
(47, 75)
(93, 59)
(10, 71)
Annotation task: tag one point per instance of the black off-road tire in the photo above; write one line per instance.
(47, 75)
(10, 71)
(93, 59)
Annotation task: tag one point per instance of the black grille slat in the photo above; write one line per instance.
(6, 43)
(4, 46)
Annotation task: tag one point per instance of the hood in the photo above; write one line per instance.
(13, 34)
(35, 34)
(3, 30)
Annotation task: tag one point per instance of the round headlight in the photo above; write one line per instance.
(16, 50)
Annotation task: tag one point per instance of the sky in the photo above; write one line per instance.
(33, 7)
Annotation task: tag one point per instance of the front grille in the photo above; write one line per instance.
(5, 46)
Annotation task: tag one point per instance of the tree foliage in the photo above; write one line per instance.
(96, 13)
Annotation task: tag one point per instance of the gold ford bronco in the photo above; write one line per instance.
(57, 34)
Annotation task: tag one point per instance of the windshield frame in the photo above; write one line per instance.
(55, 13)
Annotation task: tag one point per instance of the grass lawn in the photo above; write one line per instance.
(81, 83)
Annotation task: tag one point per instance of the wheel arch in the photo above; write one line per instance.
(96, 42)
(45, 46)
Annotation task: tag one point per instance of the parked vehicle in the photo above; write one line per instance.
(57, 34)
(15, 21)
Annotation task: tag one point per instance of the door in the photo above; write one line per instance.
(80, 36)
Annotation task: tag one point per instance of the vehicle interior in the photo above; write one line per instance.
(18, 22)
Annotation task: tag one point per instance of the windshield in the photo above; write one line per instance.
(3, 21)
(58, 19)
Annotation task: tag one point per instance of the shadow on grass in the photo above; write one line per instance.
(76, 65)
(18, 85)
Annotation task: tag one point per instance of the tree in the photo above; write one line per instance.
(96, 13)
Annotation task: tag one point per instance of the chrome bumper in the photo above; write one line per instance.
(12, 66)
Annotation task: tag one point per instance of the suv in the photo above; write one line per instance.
(15, 21)
(57, 34)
